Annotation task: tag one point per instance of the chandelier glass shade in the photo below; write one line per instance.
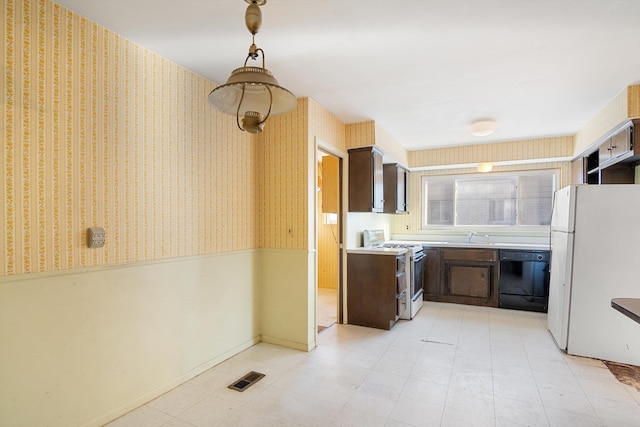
(252, 93)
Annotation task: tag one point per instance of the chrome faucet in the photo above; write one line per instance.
(470, 234)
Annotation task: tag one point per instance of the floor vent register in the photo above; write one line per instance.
(246, 381)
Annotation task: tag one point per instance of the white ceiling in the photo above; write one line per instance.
(422, 69)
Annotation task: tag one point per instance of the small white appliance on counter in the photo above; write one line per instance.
(595, 256)
(415, 259)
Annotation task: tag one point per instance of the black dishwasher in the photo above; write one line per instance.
(524, 280)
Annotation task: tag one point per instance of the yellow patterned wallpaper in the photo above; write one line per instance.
(325, 126)
(531, 149)
(633, 101)
(98, 131)
(287, 148)
(283, 184)
(328, 250)
(361, 134)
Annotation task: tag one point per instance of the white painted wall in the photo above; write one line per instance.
(83, 347)
(358, 221)
(288, 298)
(393, 151)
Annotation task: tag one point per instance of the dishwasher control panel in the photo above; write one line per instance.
(510, 255)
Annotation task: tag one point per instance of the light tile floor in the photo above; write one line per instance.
(452, 365)
(327, 307)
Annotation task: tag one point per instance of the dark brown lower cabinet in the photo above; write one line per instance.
(431, 273)
(374, 283)
(467, 276)
(469, 281)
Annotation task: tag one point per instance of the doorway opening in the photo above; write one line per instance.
(329, 240)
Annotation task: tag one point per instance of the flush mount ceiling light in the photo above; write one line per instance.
(252, 94)
(483, 127)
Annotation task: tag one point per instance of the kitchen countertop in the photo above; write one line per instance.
(442, 244)
(482, 245)
(378, 251)
(630, 307)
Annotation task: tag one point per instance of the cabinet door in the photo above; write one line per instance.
(402, 187)
(621, 143)
(431, 273)
(330, 184)
(395, 188)
(604, 152)
(470, 276)
(469, 281)
(372, 289)
(378, 181)
(366, 191)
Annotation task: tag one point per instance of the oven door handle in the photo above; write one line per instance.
(419, 258)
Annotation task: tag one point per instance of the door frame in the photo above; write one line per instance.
(342, 156)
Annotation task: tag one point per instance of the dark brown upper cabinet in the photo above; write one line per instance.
(366, 180)
(614, 161)
(396, 188)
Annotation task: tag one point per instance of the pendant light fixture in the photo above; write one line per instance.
(252, 93)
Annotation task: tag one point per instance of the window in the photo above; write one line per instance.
(440, 208)
(329, 218)
(504, 199)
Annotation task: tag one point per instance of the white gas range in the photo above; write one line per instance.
(374, 239)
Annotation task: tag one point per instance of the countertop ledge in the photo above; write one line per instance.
(481, 245)
(442, 244)
(630, 307)
(377, 251)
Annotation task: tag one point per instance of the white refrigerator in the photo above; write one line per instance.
(595, 256)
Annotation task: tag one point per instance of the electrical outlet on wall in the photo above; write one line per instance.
(95, 237)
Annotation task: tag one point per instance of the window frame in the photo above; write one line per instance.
(424, 226)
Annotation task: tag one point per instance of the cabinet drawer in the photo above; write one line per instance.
(471, 254)
(401, 263)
